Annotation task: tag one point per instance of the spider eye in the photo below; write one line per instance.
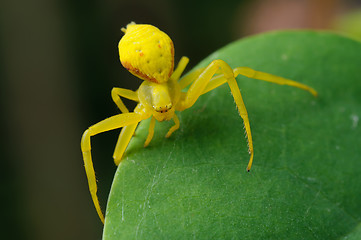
(163, 109)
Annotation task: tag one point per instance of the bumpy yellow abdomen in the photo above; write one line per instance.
(147, 52)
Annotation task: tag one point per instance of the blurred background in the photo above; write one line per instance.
(58, 64)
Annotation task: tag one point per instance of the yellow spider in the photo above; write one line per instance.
(148, 53)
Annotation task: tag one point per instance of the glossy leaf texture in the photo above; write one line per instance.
(305, 182)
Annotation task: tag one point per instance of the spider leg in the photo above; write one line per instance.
(199, 85)
(189, 78)
(123, 140)
(175, 127)
(180, 68)
(150, 132)
(108, 124)
(128, 131)
(250, 73)
(126, 93)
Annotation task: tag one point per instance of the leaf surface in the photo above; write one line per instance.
(306, 177)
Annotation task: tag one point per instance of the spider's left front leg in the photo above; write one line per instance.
(198, 86)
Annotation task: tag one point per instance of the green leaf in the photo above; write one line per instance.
(305, 182)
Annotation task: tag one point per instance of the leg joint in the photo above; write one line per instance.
(225, 68)
(245, 71)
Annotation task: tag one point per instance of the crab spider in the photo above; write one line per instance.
(148, 53)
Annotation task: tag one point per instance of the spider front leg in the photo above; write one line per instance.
(198, 86)
(108, 124)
